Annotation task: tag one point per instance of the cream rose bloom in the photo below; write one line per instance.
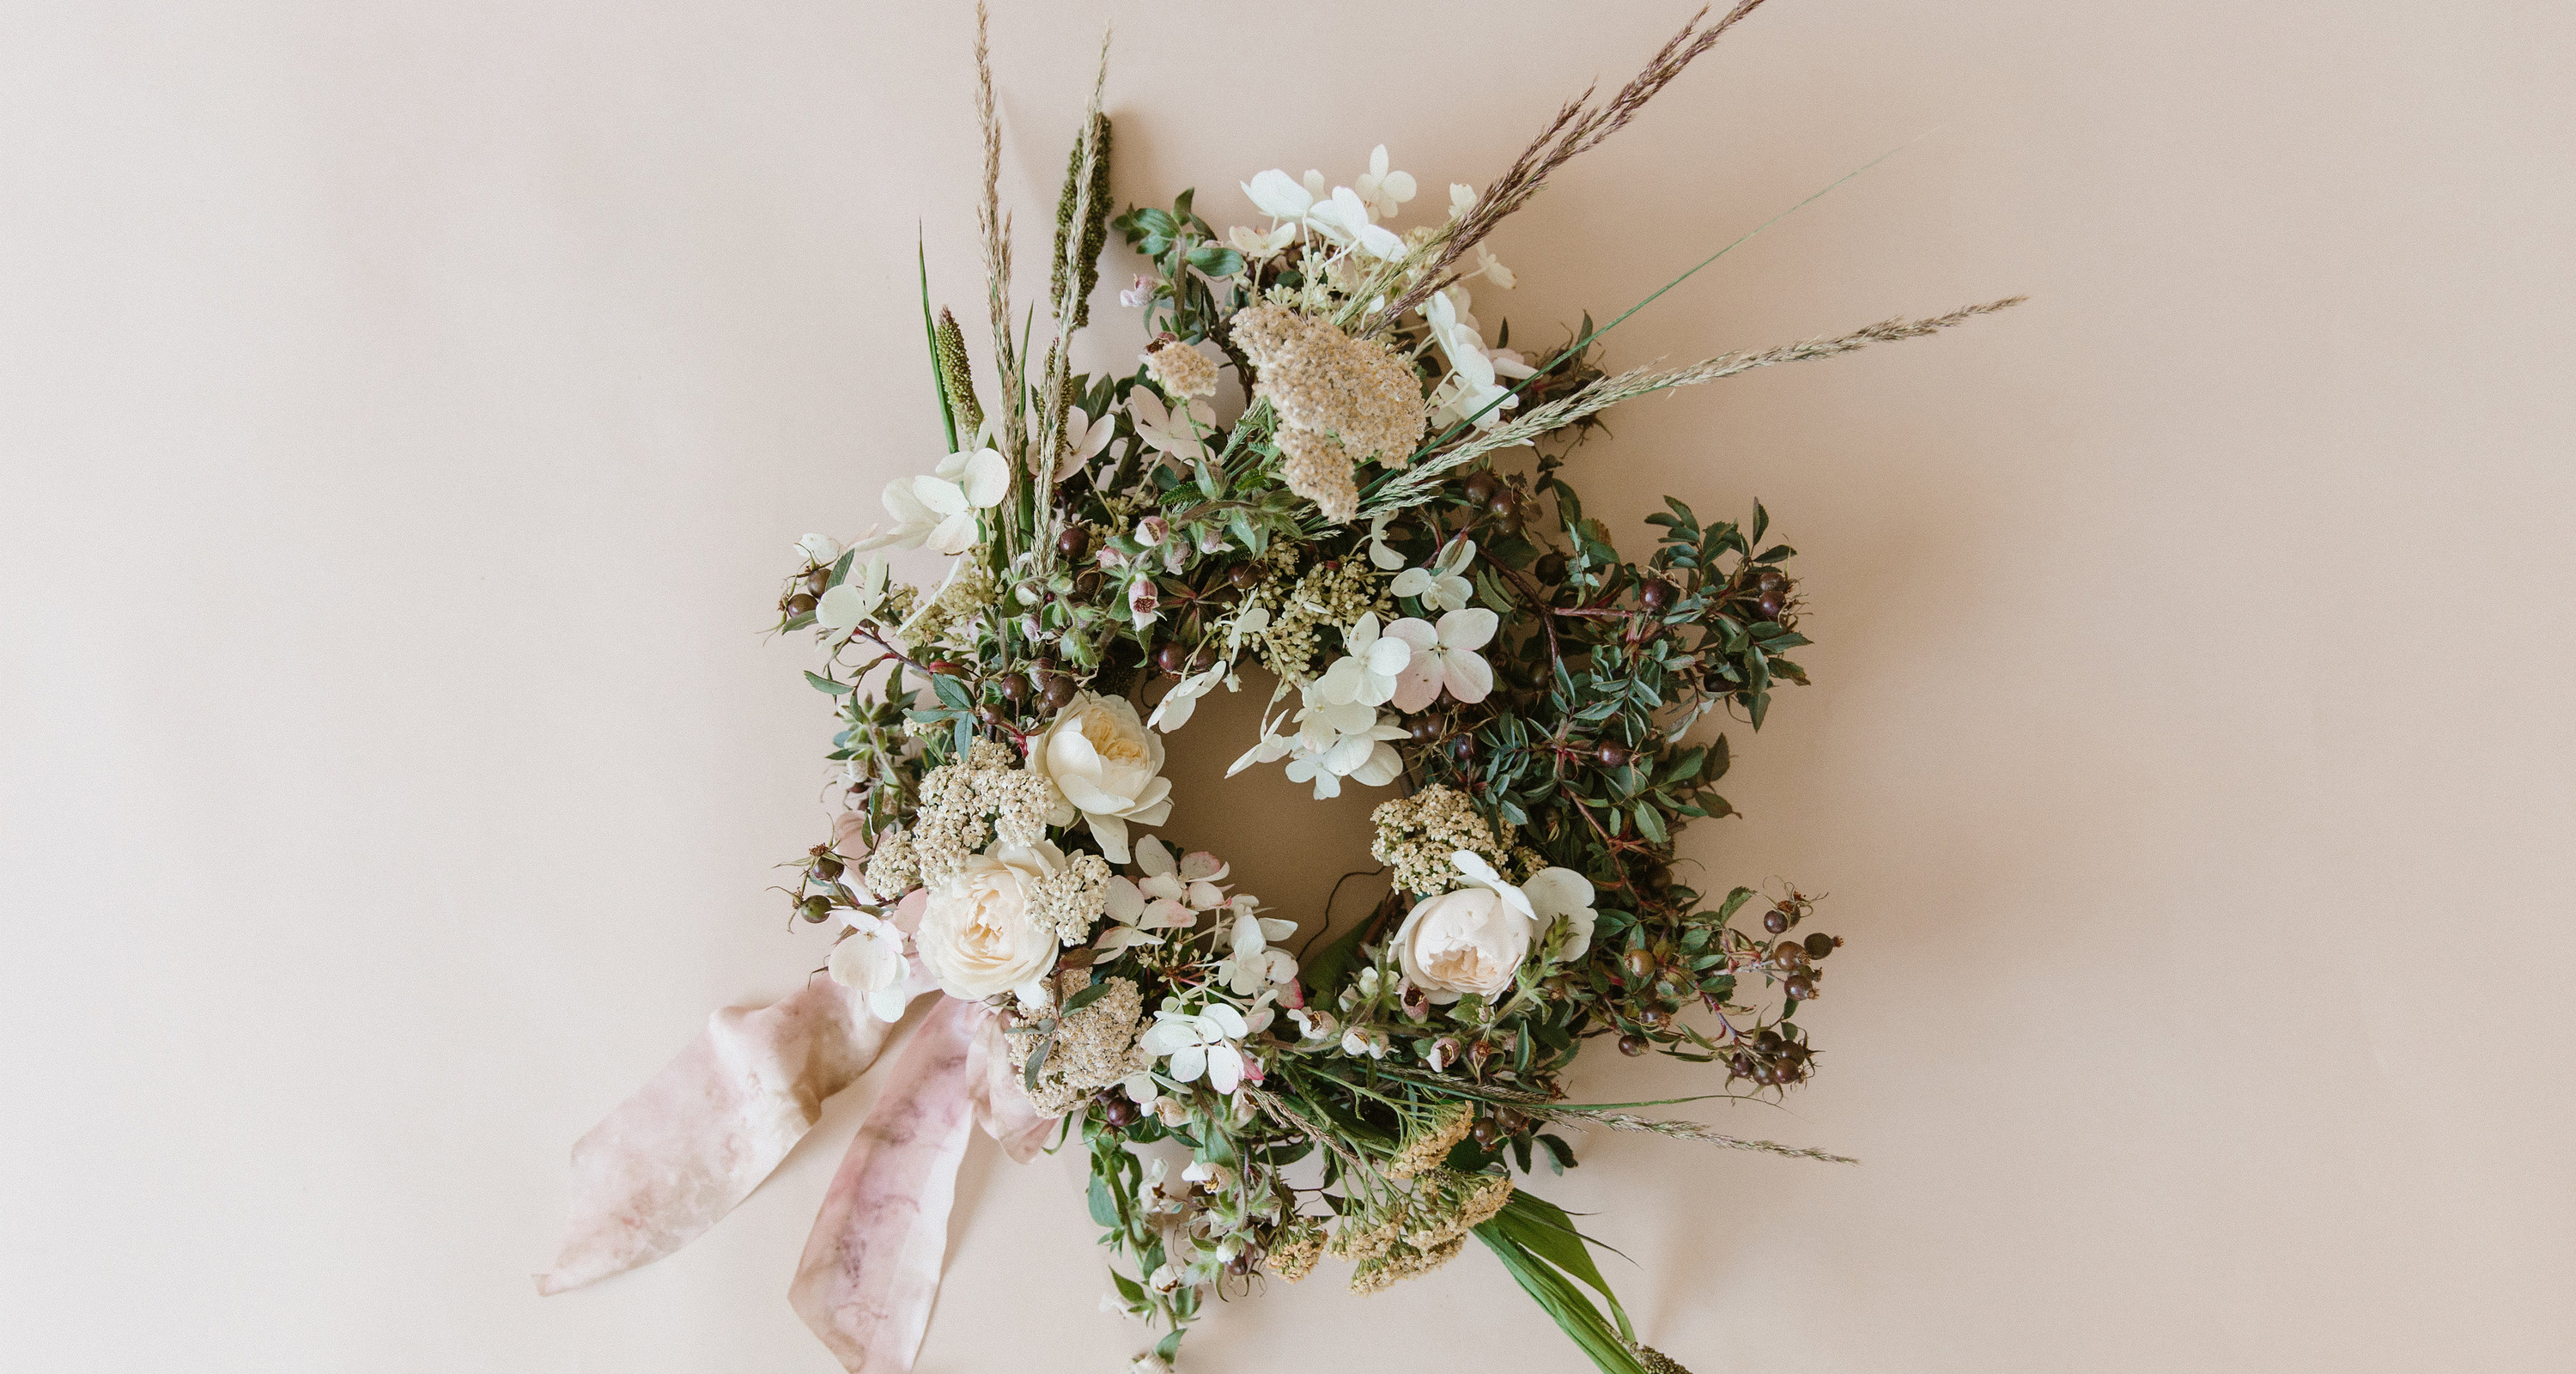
(978, 936)
(1108, 766)
(1460, 942)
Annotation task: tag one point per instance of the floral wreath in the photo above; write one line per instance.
(1385, 529)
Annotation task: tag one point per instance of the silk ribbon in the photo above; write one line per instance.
(702, 1134)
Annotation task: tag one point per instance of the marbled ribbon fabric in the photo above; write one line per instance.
(704, 1132)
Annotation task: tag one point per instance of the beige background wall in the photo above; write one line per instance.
(406, 409)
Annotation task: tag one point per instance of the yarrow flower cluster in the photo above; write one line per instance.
(1378, 512)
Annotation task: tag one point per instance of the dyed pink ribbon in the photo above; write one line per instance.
(702, 1134)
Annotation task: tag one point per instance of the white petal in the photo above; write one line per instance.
(1472, 628)
(939, 498)
(955, 535)
(1277, 196)
(1410, 582)
(1112, 834)
(988, 479)
(1188, 1062)
(1384, 766)
(841, 608)
(1153, 856)
(1557, 892)
(1224, 1068)
(1226, 1019)
(1477, 871)
(1467, 675)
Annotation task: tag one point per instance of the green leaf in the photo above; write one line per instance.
(826, 685)
(1097, 990)
(1777, 553)
(952, 691)
(1650, 822)
(1037, 1060)
(1216, 261)
(1761, 521)
(1104, 1210)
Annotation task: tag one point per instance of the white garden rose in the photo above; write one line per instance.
(1109, 767)
(978, 936)
(1468, 941)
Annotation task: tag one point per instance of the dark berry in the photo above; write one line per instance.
(1074, 542)
(1059, 693)
(1819, 945)
(1770, 605)
(1775, 920)
(1632, 1045)
(1640, 965)
(1243, 575)
(1789, 954)
(1015, 688)
(817, 580)
(799, 604)
(827, 869)
(1611, 755)
(814, 909)
(1118, 1111)
(1550, 568)
(1800, 986)
(1480, 486)
(1656, 595)
(1171, 658)
(1462, 748)
(1487, 1131)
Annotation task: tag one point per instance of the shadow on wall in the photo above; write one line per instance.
(1287, 848)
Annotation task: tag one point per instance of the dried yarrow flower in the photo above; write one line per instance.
(1183, 370)
(1340, 401)
(893, 869)
(1428, 1140)
(1070, 901)
(1400, 1262)
(1091, 1049)
(1297, 1249)
(1417, 834)
(1327, 596)
(1448, 1204)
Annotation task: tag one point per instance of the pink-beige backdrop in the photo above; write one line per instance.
(407, 407)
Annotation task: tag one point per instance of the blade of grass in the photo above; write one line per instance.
(930, 337)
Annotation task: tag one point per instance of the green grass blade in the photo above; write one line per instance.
(930, 339)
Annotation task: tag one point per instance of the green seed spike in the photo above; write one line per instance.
(956, 381)
(1095, 224)
(930, 337)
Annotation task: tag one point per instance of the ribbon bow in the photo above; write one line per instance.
(695, 1141)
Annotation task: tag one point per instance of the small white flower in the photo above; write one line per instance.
(819, 548)
(1182, 701)
(1084, 438)
(1138, 293)
(1367, 676)
(1283, 199)
(855, 599)
(1445, 658)
(1383, 190)
(1206, 1042)
(1492, 269)
(1254, 965)
(1444, 584)
(1179, 432)
(870, 960)
(1260, 246)
(1381, 552)
(1462, 198)
(939, 510)
(1345, 220)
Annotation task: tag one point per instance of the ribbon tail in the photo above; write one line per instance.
(702, 1134)
(871, 1268)
(1002, 1107)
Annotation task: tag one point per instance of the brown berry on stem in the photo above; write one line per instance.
(1074, 542)
(1632, 1045)
(1656, 595)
